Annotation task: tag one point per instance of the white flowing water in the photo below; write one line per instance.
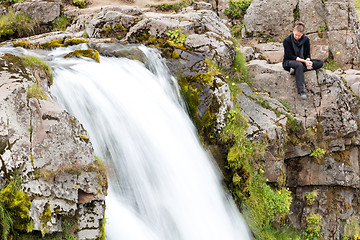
(163, 185)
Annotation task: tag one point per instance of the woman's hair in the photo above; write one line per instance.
(299, 27)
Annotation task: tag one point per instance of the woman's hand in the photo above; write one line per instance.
(308, 64)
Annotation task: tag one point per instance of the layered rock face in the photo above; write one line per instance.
(51, 152)
(332, 26)
(328, 120)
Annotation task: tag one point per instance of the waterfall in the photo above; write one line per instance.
(163, 185)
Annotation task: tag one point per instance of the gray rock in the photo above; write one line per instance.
(47, 147)
(42, 11)
(202, 6)
(280, 12)
(248, 53)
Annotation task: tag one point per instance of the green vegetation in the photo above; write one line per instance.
(173, 7)
(296, 13)
(351, 229)
(88, 53)
(292, 125)
(35, 92)
(317, 152)
(9, 2)
(14, 209)
(75, 41)
(357, 6)
(176, 36)
(286, 104)
(237, 8)
(331, 65)
(310, 197)
(60, 23)
(239, 65)
(37, 64)
(79, 3)
(313, 227)
(15, 25)
(49, 45)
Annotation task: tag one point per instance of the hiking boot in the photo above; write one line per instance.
(292, 71)
(303, 96)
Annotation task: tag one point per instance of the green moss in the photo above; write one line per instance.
(84, 138)
(176, 36)
(75, 41)
(351, 228)
(14, 209)
(89, 53)
(53, 44)
(175, 54)
(342, 157)
(35, 92)
(102, 230)
(45, 217)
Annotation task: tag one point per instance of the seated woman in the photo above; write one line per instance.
(297, 56)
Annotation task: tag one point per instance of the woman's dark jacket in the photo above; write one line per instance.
(294, 49)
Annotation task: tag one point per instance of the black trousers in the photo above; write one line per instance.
(300, 68)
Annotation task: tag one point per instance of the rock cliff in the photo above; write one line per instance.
(50, 151)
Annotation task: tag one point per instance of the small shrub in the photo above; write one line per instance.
(15, 25)
(317, 152)
(60, 23)
(35, 92)
(80, 3)
(85, 34)
(237, 8)
(310, 198)
(292, 125)
(313, 227)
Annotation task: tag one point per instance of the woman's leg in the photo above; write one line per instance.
(299, 74)
(317, 63)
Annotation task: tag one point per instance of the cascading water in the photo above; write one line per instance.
(163, 185)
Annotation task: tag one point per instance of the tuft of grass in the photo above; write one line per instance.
(60, 23)
(35, 92)
(286, 104)
(15, 25)
(37, 63)
(331, 65)
(237, 8)
(239, 65)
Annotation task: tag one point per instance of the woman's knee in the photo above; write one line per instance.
(297, 65)
(318, 63)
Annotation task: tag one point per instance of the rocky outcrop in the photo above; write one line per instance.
(332, 26)
(298, 129)
(51, 151)
(43, 12)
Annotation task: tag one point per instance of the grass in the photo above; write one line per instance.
(37, 63)
(172, 7)
(331, 65)
(35, 92)
(239, 65)
(15, 25)
(60, 23)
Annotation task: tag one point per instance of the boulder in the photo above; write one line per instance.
(258, 15)
(272, 52)
(43, 12)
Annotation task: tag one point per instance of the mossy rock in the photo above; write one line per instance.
(89, 53)
(75, 41)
